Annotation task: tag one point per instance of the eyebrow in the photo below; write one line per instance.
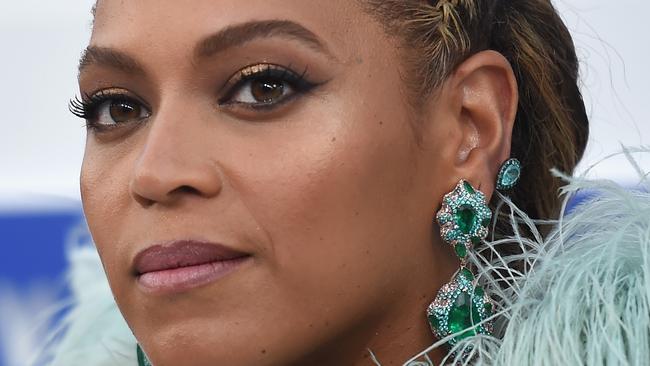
(227, 38)
(240, 34)
(109, 57)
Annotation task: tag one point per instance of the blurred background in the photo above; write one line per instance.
(41, 143)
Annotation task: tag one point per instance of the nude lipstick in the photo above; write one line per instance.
(185, 264)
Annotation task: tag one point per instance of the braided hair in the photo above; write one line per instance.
(551, 127)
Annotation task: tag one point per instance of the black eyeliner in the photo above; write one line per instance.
(87, 107)
(298, 82)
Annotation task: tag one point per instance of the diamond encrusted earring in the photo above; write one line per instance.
(462, 304)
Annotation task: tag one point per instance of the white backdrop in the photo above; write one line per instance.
(41, 143)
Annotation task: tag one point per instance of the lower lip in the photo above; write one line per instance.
(185, 278)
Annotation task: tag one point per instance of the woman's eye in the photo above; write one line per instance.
(265, 86)
(106, 109)
(113, 112)
(262, 91)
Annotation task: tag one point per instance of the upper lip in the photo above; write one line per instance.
(181, 253)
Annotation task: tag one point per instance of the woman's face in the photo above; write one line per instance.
(280, 130)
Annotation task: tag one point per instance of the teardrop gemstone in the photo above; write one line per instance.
(509, 174)
(460, 316)
(461, 250)
(465, 218)
(469, 187)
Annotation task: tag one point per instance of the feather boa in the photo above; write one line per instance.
(93, 332)
(583, 300)
(585, 296)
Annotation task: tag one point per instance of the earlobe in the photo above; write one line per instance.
(487, 89)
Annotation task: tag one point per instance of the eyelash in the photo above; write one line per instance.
(298, 82)
(88, 106)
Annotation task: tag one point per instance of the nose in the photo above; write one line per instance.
(175, 161)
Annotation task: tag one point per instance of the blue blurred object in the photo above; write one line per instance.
(32, 265)
(33, 244)
(578, 198)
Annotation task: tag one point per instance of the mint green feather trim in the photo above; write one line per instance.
(94, 331)
(585, 299)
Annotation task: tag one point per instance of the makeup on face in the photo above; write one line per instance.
(245, 175)
(178, 266)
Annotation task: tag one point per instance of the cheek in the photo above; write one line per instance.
(103, 178)
(333, 203)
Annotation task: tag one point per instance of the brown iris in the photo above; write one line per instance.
(123, 111)
(267, 90)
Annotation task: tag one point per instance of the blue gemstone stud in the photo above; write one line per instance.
(509, 174)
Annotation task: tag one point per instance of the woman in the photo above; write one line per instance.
(261, 179)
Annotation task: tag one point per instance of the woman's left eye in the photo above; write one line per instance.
(265, 86)
(262, 91)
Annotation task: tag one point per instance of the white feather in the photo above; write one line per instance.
(94, 331)
(585, 298)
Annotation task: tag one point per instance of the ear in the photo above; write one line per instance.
(483, 95)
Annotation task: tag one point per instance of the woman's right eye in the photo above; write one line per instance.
(107, 110)
(120, 111)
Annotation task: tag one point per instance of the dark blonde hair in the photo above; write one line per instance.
(551, 127)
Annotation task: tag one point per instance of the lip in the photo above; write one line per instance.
(181, 265)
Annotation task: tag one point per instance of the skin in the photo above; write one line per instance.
(333, 193)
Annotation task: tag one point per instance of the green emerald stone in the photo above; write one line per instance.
(460, 316)
(461, 250)
(463, 315)
(467, 274)
(469, 187)
(465, 218)
(488, 308)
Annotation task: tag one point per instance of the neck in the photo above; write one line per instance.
(393, 335)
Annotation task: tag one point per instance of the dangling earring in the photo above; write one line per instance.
(142, 358)
(461, 304)
(463, 219)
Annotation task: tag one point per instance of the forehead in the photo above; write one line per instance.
(126, 23)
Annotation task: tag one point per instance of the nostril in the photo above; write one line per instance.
(187, 189)
(143, 201)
